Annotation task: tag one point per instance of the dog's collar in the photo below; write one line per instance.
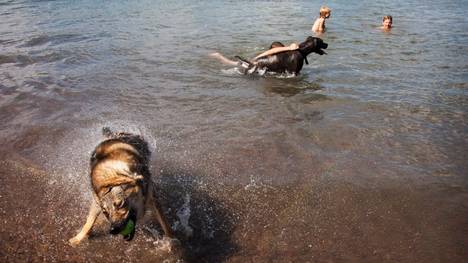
(304, 56)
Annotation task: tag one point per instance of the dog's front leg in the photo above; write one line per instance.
(94, 212)
(151, 202)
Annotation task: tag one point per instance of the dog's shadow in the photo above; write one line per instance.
(200, 221)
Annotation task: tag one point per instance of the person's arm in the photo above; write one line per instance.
(276, 50)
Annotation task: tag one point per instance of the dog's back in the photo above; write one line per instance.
(285, 62)
(123, 143)
(292, 61)
(121, 154)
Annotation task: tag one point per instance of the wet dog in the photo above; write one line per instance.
(121, 184)
(288, 61)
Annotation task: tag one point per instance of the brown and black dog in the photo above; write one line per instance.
(122, 185)
(288, 61)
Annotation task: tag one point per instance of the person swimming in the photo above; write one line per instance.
(279, 58)
(319, 24)
(275, 47)
(387, 22)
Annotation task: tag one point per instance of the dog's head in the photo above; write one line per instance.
(313, 44)
(119, 199)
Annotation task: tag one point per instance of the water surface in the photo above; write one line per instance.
(361, 158)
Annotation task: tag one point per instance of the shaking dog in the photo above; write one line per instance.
(121, 184)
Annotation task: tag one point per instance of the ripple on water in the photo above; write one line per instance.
(344, 162)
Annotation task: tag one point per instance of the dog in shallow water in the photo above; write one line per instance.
(121, 184)
(288, 61)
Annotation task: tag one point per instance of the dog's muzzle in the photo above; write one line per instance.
(117, 228)
(321, 51)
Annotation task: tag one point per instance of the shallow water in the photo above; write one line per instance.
(361, 158)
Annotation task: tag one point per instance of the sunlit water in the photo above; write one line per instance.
(362, 157)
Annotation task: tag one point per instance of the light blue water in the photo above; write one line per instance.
(381, 110)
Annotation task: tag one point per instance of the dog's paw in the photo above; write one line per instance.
(75, 241)
(172, 240)
(168, 244)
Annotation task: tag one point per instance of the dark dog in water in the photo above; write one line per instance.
(291, 61)
(287, 61)
(122, 187)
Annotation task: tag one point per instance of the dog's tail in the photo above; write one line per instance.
(247, 65)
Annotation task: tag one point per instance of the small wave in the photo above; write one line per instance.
(183, 213)
(5, 59)
(232, 71)
(462, 85)
(53, 40)
(20, 60)
(36, 41)
(285, 75)
(259, 72)
(7, 2)
(26, 60)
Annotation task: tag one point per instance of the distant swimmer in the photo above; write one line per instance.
(319, 24)
(387, 22)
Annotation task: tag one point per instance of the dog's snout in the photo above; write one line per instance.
(116, 228)
(325, 45)
(114, 231)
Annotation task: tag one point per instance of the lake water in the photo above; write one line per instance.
(360, 158)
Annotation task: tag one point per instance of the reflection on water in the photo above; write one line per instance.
(362, 157)
(288, 88)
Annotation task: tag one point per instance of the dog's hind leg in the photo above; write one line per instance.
(151, 202)
(162, 221)
(93, 213)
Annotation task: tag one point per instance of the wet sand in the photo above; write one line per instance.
(320, 219)
(360, 158)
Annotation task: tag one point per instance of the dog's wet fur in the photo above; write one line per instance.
(288, 61)
(121, 183)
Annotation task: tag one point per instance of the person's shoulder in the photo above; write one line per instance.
(318, 26)
(318, 19)
(316, 23)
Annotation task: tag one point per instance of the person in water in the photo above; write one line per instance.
(275, 48)
(387, 22)
(319, 24)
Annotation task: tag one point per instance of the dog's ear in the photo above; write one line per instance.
(120, 180)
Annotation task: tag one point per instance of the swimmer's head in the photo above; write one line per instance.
(325, 12)
(387, 22)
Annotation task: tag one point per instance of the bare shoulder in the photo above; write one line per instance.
(317, 25)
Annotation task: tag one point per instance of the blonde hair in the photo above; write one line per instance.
(324, 11)
(387, 17)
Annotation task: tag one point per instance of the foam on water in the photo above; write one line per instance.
(183, 213)
(259, 72)
(362, 145)
(68, 162)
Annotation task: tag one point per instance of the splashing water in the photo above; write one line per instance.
(183, 213)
